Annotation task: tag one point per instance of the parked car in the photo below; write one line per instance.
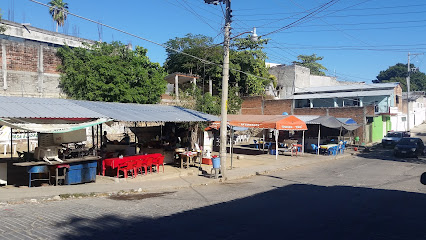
(409, 147)
(392, 138)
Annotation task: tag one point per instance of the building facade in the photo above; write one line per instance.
(29, 64)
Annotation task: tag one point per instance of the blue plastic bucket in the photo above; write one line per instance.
(216, 162)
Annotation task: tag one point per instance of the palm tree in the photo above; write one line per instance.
(59, 11)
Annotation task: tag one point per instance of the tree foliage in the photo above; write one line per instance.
(111, 73)
(59, 11)
(399, 73)
(2, 27)
(310, 61)
(245, 56)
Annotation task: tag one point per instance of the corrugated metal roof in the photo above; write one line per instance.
(348, 87)
(145, 112)
(22, 107)
(343, 94)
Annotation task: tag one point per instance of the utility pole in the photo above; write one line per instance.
(408, 93)
(225, 78)
(408, 87)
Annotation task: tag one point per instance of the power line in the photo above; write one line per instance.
(356, 29)
(341, 16)
(150, 41)
(352, 9)
(310, 15)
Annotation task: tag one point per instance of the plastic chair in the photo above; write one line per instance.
(157, 161)
(125, 168)
(256, 145)
(315, 148)
(147, 163)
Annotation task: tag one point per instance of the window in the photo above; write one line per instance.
(397, 99)
(356, 102)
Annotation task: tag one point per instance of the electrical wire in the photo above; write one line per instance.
(155, 43)
(309, 15)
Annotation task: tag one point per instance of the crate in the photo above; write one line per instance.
(207, 161)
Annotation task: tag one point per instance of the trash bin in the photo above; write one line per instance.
(216, 162)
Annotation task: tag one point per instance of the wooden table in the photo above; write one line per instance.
(189, 155)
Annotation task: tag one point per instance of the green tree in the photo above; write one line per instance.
(111, 73)
(2, 27)
(245, 56)
(310, 61)
(399, 73)
(59, 11)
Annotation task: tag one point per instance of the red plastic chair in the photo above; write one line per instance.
(126, 167)
(147, 163)
(122, 167)
(157, 161)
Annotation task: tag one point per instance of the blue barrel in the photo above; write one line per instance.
(216, 162)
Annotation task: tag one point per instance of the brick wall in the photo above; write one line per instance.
(251, 106)
(23, 75)
(50, 60)
(277, 107)
(398, 92)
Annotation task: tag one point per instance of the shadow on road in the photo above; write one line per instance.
(292, 212)
(381, 153)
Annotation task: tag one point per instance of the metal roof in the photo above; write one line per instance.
(347, 87)
(343, 94)
(132, 112)
(23, 107)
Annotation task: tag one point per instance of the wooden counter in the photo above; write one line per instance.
(72, 160)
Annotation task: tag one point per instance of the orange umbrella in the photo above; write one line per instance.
(279, 122)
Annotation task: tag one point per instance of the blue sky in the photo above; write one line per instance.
(357, 38)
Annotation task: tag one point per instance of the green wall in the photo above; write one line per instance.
(377, 129)
(388, 123)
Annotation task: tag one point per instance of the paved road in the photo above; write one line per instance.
(355, 198)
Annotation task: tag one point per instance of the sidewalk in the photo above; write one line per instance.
(173, 178)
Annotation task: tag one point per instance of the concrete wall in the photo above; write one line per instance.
(291, 78)
(28, 60)
(29, 69)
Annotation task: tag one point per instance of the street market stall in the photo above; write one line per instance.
(53, 120)
(276, 122)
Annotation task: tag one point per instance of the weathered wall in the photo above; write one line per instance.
(29, 69)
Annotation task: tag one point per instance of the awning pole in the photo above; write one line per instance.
(319, 136)
(28, 146)
(101, 140)
(231, 143)
(93, 140)
(303, 142)
(11, 143)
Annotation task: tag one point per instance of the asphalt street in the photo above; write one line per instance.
(370, 196)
